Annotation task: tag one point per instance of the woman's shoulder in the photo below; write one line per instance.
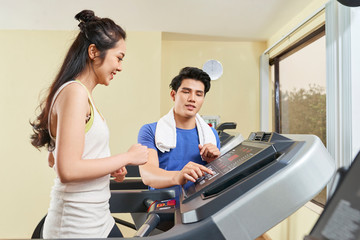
(71, 95)
(74, 86)
(73, 90)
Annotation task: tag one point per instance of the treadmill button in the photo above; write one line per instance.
(171, 202)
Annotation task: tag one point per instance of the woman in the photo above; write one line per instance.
(77, 137)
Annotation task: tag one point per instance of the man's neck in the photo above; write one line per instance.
(184, 123)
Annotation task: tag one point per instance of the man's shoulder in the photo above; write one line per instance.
(146, 135)
(149, 127)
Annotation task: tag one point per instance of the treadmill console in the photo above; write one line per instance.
(261, 152)
(246, 158)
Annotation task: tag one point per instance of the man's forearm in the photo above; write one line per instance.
(156, 177)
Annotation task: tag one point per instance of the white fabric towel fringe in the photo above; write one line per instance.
(165, 133)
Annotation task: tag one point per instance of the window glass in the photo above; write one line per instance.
(302, 78)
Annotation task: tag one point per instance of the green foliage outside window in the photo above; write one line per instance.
(303, 111)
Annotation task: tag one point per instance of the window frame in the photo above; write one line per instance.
(275, 61)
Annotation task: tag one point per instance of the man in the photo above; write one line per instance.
(180, 143)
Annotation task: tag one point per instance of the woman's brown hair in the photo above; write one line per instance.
(102, 32)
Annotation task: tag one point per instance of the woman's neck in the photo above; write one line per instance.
(88, 79)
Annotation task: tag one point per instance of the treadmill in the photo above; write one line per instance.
(341, 216)
(255, 185)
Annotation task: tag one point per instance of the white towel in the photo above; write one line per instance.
(165, 133)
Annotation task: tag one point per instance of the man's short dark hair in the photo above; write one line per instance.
(191, 73)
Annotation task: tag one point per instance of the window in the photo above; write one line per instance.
(299, 75)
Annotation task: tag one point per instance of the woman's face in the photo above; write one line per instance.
(106, 69)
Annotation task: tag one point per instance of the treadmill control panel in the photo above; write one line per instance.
(238, 163)
(228, 162)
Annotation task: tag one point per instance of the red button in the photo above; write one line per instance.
(171, 202)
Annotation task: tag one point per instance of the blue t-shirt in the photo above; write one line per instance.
(186, 150)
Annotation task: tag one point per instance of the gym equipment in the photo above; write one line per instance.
(228, 140)
(255, 185)
(341, 216)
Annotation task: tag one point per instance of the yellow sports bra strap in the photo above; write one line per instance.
(91, 120)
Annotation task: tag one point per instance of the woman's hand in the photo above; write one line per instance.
(138, 154)
(119, 174)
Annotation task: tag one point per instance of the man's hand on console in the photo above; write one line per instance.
(209, 152)
(191, 172)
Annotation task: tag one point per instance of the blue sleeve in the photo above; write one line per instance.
(146, 135)
(217, 138)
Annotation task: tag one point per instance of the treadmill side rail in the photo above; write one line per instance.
(279, 196)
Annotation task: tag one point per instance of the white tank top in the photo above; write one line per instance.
(81, 209)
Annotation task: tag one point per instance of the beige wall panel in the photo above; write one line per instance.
(29, 63)
(235, 95)
(133, 97)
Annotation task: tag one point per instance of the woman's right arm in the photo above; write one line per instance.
(70, 109)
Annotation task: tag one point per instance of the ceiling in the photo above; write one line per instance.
(255, 20)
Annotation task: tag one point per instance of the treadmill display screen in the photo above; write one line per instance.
(238, 163)
(235, 158)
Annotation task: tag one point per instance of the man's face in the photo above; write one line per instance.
(188, 98)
